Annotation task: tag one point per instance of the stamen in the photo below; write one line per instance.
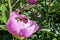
(18, 19)
(25, 20)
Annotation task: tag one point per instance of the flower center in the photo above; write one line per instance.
(25, 20)
(18, 19)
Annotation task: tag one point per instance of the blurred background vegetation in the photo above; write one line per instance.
(46, 14)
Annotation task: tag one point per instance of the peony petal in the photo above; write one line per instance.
(33, 23)
(36, 28)
(21, 16)
(14, 14)
(12, 26)
(27, 32)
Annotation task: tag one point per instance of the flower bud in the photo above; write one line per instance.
(31, 1)
(20, 26)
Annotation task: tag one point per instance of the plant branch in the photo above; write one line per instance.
(14, 3)
(10, 7)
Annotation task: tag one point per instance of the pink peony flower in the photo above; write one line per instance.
(18, 25)
(31, 1)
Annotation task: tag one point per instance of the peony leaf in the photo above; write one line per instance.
(48, 30)
(0, 17)
(2, 27)
(54, 39)
(3, 9)
(55, 7)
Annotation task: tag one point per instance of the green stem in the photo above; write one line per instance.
(52, 21)
(42, 37)
(10, 7)
(20, 39)
(26, 39)
(21, 5)
(49, 6)
(13, 38)
(15, 3)
(46, 9)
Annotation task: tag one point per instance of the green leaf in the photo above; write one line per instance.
(48, 30)
(55, 7)
(3, 9)
(2, 27)
(54, 39)
(0, 17)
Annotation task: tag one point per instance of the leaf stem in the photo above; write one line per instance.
(10, 7)
(15, 3)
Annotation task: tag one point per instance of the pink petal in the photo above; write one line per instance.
(31, 1)
(33, 23)
(21, 16)
(12, 26)
(14, 14)
(27, 32)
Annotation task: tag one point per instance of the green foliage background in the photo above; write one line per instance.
(48, 18)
